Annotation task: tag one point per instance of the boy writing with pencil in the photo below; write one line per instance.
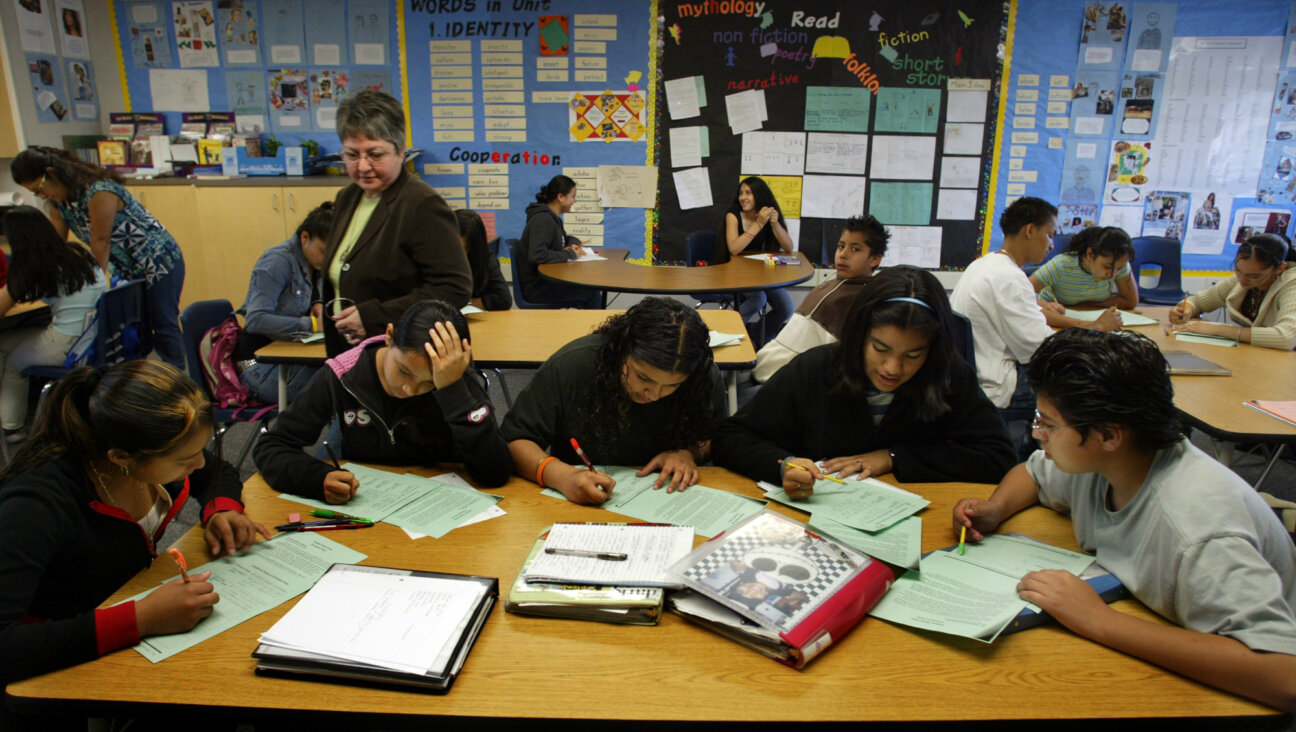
(1185, 534)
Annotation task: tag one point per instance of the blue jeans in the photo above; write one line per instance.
(263, 380)
(752, 302)
(162, 299)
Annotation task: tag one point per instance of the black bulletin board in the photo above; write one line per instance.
(727, 42)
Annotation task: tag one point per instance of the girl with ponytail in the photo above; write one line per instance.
(114, 454)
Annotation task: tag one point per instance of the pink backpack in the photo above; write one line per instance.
(216, 352)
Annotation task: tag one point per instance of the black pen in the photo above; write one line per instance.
(609, 556)
(332, 455)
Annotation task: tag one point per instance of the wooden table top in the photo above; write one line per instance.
(737, 275)
(524, 667)
(526, 338)
(1214, 403)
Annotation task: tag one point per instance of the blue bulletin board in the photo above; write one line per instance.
(1050, 64)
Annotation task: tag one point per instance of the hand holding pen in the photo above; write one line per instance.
(587, 486)
(339, 485)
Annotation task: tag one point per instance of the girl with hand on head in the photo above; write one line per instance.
(66, 277)
(407, 397)
(893, 396)
(1094, 272)
(114, 455)
(1261, 300)
(754, 223)
(641, 390)
(93, 203)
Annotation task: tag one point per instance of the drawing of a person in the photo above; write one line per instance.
(1080, 191)
(1208, 216)
(1150, 38)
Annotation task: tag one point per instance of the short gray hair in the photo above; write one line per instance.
(373, 114)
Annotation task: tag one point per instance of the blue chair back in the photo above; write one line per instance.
(699, 246)
(963, 338)
(1165, 253)
(515, 247)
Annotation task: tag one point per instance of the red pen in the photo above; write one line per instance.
(581, 453)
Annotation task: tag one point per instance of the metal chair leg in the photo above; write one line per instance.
(508, 398)
(1272, 461)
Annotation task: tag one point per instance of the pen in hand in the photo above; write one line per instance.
(581, 453)
(802, 467)
(180, 562)
(333, 456)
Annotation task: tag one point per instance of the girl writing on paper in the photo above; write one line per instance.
(754, 223)
(63, 275)
(1261, 301)
(641, 390)
(545, 241)
(1094, 272)
(113, 457)
(893, 396)
(406, 397)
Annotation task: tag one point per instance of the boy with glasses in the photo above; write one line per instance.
(1185, 534)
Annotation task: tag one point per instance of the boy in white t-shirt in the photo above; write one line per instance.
(1183, 533)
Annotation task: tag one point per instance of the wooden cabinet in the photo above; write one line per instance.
(9, 122)
(223, 230)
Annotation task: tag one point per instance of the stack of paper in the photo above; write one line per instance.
(974, 595)
(869, 515)
(422, 506)
(707, 510)
(629, 555)
(381, 624)
(1127, 318)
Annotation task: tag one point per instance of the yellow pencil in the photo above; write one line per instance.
(962, 539)
(802, 467)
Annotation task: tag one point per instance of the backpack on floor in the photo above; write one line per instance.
(216, 352)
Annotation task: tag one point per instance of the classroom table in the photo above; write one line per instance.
(739, 274)
(524, 339)
(526, 667)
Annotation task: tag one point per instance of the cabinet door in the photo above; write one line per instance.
(301, 200)
(238, 224)
(173, 206)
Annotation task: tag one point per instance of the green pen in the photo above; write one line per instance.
(325, 513)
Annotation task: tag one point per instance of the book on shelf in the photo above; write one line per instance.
(776, 587)
(406, 628)
(603, 603)
(1283, 411)
(112, 152)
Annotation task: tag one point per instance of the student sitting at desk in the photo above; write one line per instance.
(641, 390)
(1261, 302)
(113, 457)
(282, 302)
(545, 241)
(1093, 272)
(407, 397)
(489, 289)
(892, 397)
(1185, 534)
(819, 320)
(66, 277)
(754, 223)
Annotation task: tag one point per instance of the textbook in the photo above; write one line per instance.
(607, 604)
(405, 627)
(1190, 364)
(776, 587)
(1282, 411)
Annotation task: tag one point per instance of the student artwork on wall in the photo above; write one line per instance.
(149, 44)
(46, 81)
(895, 110)
(367, 26)
(1093, 103)
(245, 93)
(1102, 40)
(1076, 217)
(284, 35)
(326, 43)
(328, 87)
(1084, 173)
(608, 116)
(1130, 172)
(1206, 232)
(34, 25)
(70, 18)
(289, 99)
(1151, 28)
(1278, 173)
(81, 89)
(1165, 213)
(1140, 94)
(195, 32)
(240, 38)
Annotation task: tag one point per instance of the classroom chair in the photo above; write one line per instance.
(698, 247)
(966, 347)
(195, 321)
(514, 246)
(117, 330)
(1158, 251)
(963, 339)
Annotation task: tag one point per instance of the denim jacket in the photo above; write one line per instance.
(280, 293)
